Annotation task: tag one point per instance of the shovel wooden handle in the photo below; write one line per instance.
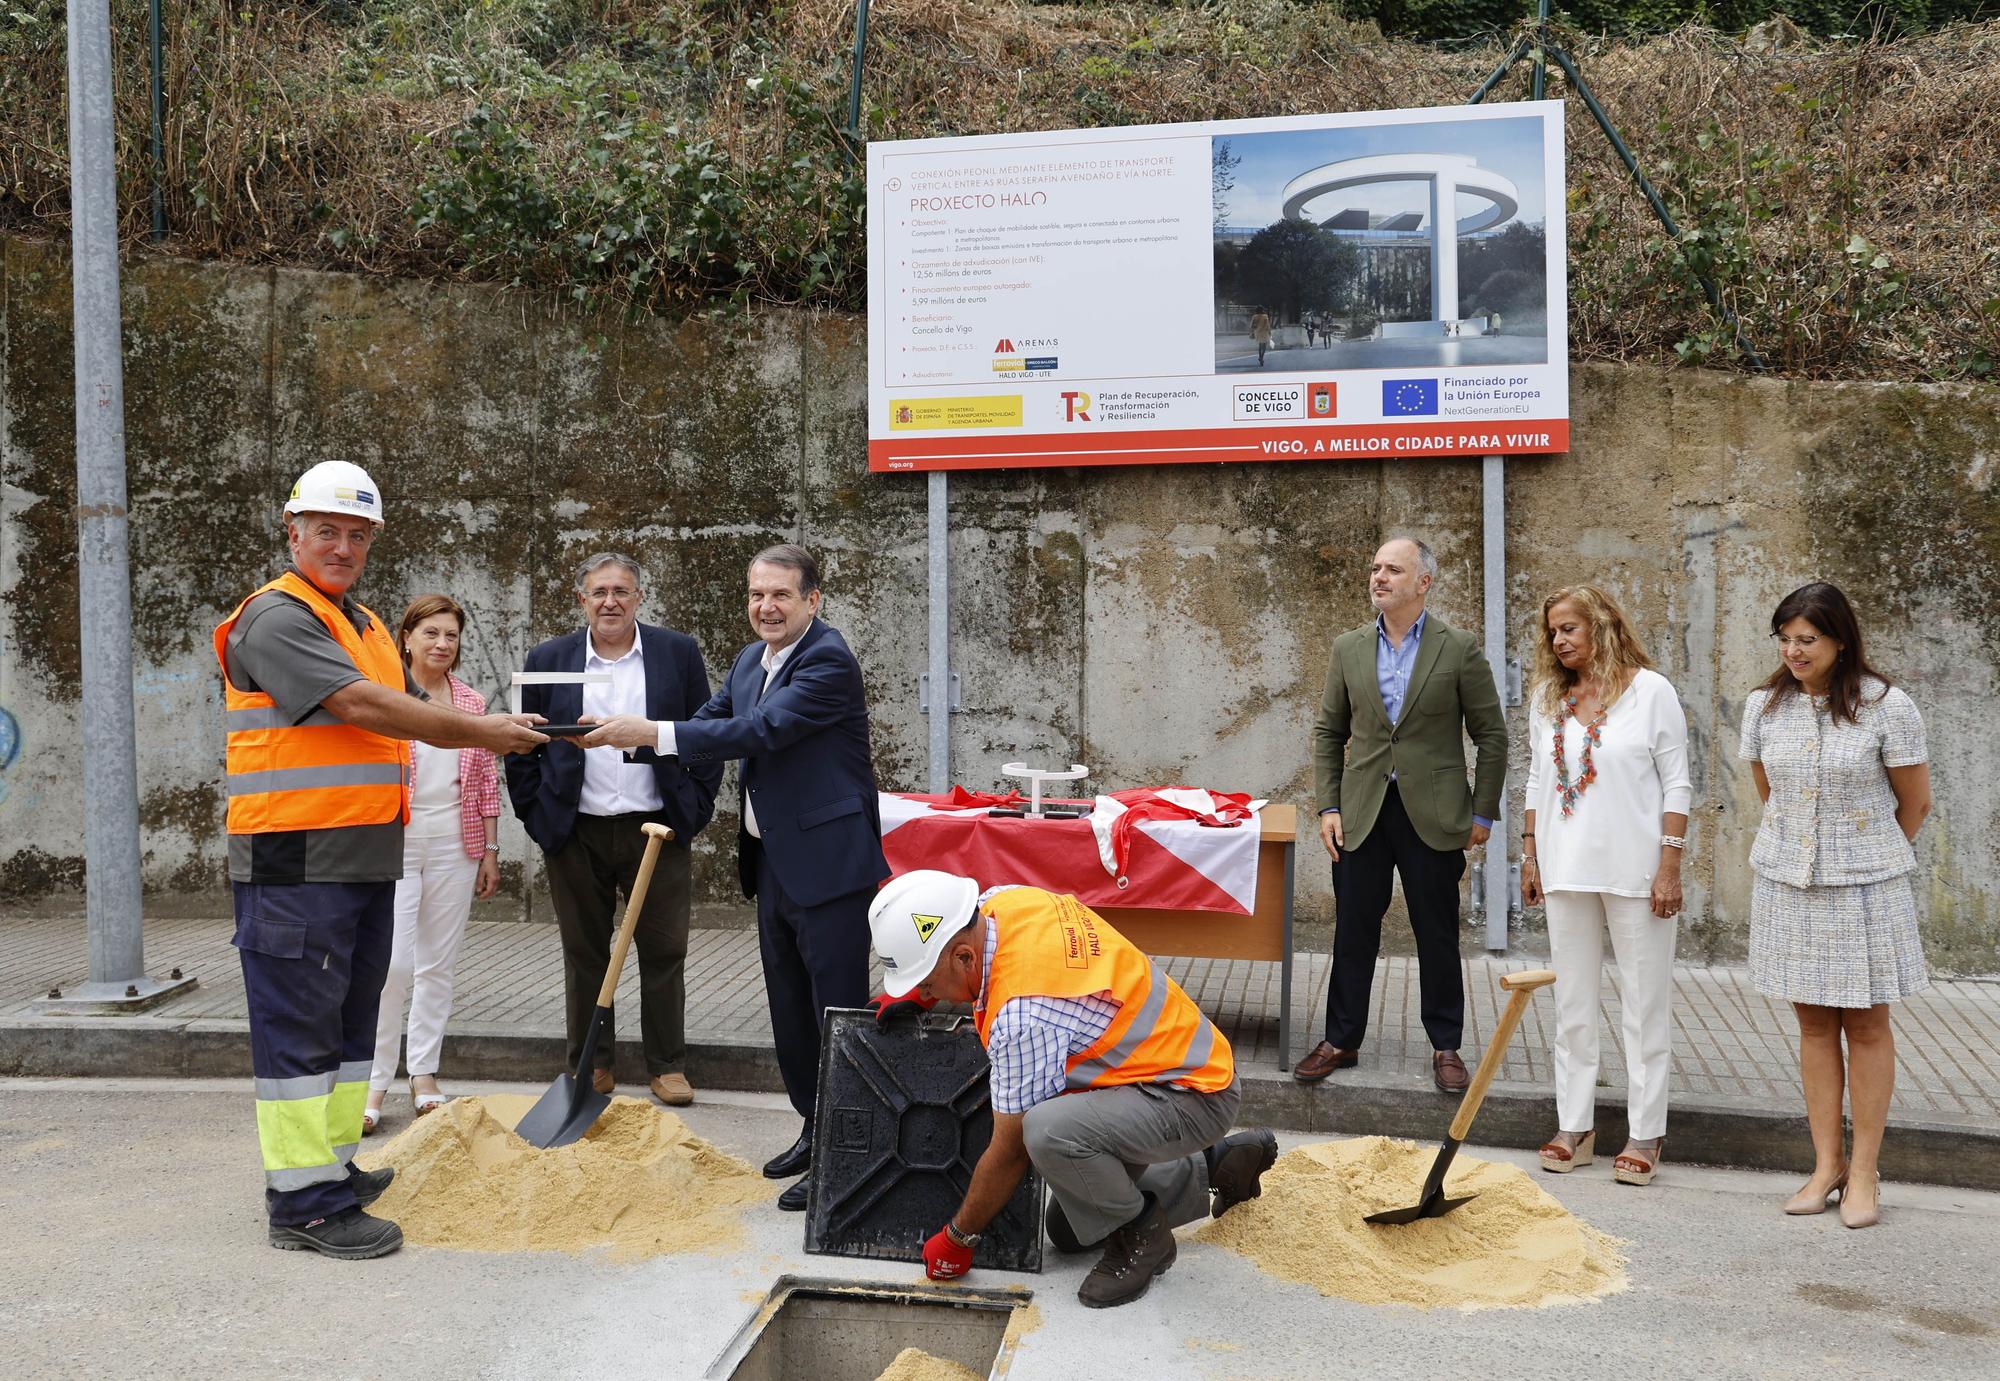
(1522, 986)
(656, 835)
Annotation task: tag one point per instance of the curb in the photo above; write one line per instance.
(1962, 1154)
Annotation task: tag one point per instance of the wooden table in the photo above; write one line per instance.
(1265, 933)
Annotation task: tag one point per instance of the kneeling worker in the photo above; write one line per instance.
(1105, 1075)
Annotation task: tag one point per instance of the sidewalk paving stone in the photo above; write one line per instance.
(1731, 1042)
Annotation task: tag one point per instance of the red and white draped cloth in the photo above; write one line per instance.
(1171, 848)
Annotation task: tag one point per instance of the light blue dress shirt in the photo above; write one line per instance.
(1393, 664)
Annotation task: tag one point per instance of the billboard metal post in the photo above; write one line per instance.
(939, 688)
(118, 979)
(1497, 899)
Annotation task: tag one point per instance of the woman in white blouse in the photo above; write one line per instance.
(1606, 821)
(451, 853)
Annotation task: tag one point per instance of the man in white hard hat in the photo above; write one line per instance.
(1105, 1075)
(318, 705)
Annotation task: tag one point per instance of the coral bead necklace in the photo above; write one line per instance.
(1593, 734)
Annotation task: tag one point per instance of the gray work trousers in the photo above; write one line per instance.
(1102, 1150)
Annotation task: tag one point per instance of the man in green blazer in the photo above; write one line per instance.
(1389, 771)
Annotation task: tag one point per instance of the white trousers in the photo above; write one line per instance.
(1644, 946)
(432, 901)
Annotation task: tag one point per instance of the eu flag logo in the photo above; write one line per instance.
(1409, 397)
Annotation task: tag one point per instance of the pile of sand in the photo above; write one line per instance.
(914, 1364)
(1513, 1246)
(638, 1183)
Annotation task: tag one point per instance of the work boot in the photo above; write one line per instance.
(1133, 1255)
(1237, 1164)
(1062, 1234)
(369, 1184)
(349, 1235)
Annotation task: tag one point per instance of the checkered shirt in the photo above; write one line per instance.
(1032, 1038)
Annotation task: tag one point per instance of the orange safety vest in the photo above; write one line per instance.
(1054, 946)
(323, 773)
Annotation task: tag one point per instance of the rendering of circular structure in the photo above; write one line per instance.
(1448, 175)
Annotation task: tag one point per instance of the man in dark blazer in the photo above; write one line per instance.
(1389, 771)
(810, 849)
(585, 808)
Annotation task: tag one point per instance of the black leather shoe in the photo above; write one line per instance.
(792, 1161)
(793, 1200)
(369, 1184)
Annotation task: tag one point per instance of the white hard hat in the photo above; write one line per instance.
(336, 486)
(913, 918)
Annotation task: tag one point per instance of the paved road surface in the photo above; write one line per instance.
(131, 1244)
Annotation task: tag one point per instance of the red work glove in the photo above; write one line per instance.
(944, 1259)
(888, 1009)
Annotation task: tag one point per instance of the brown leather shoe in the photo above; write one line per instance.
(603, 1080)
(1449, 1071)
(1322, 1060)
(673, 1089)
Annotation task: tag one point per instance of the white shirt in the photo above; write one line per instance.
(612, 784)
(667, 747)
(433, 793)
(1610, 842)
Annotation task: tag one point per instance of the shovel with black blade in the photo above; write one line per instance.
(571, 1106)
(1432, 1203)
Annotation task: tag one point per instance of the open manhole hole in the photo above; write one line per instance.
(839, 1330)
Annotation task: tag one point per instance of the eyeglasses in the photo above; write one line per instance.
(598, 596)
(1802, 644)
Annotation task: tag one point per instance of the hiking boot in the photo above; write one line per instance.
(1237, 1170)
(1133, 1255)
(1061, 1234)
(349, 1235)
(369, 1184)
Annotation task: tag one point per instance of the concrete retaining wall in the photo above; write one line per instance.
(1162, 625)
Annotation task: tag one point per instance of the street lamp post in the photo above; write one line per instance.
(118, 978)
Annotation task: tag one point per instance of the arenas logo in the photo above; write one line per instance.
(1012, 355)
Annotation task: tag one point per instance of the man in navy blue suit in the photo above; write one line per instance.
(810, 848)
(585, 809)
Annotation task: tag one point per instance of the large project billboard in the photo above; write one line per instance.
(1365, 285)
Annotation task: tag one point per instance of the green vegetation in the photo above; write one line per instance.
(689, 155)
(1470, 19)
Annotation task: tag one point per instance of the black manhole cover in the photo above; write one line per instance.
(904, 1114)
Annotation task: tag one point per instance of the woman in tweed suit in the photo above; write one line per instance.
(451, 852)
(1839, 758)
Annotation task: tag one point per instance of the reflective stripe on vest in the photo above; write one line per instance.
(318, 773)
(1054, 946)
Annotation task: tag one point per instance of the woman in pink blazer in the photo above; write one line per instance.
(451, 852)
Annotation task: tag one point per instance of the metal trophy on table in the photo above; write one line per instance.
(1036, 776)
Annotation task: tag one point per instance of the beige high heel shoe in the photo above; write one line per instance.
(1804, 1205)
(1862, 1217)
